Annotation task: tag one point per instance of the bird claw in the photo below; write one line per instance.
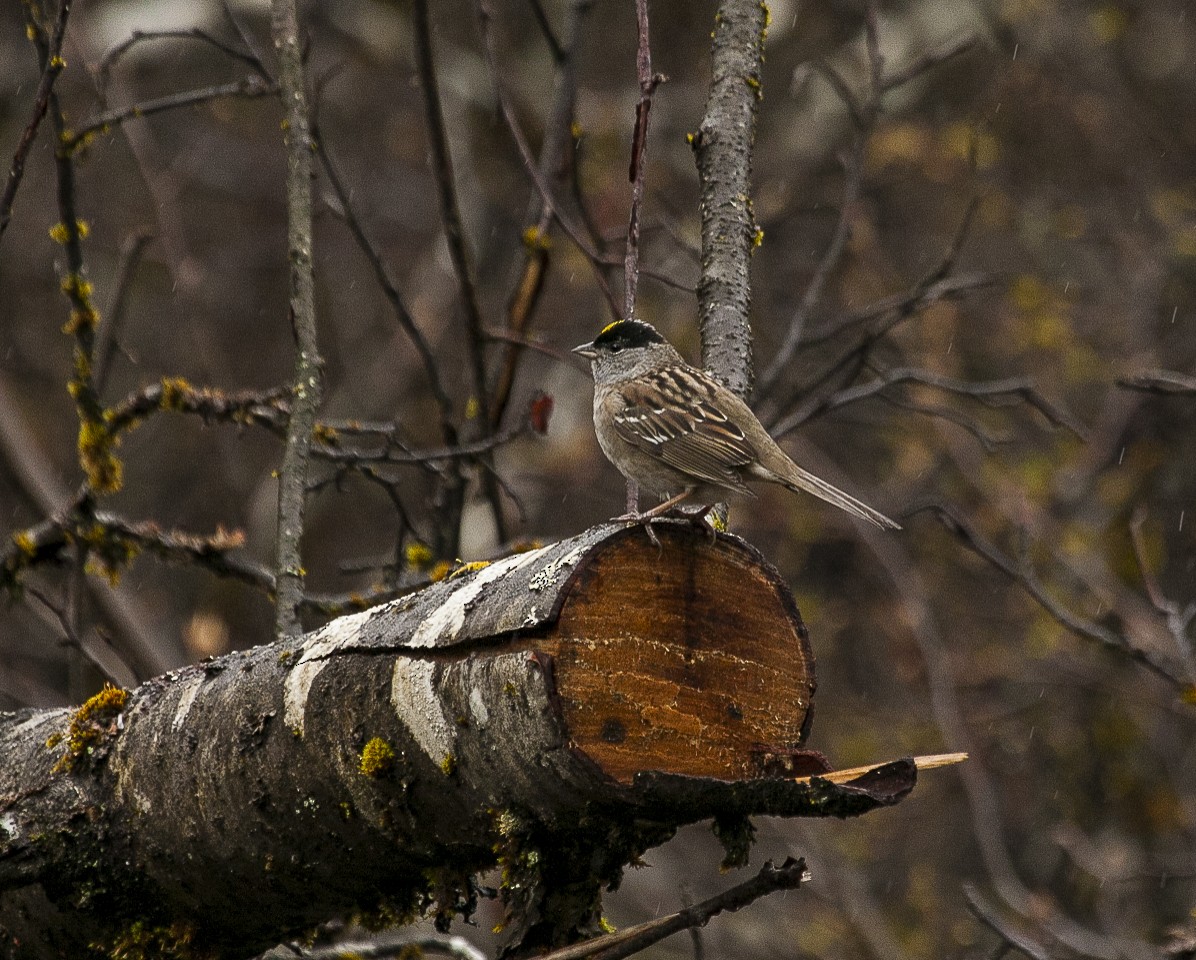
(644, 519)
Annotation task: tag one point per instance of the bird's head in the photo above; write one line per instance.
(626, 348)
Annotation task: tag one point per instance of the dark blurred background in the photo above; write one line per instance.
(1072, 126)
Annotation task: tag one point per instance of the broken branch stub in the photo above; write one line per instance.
(553, 714)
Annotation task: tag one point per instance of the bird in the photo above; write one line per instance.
(675, 430)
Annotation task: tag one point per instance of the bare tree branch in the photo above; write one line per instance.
(130, 255)
(1159, 381)
(441, 163)
(723, 150)
(52, 64)
(450, 218)
(648, 82)
(983, 911)
(250, 87)
(993, 393)
(485, 17)
(853, 170)
(614, 946)
(307, 388)
(389, 287)
(137, 37)
(1022, 574)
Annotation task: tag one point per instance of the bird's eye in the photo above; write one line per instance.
(616, 347)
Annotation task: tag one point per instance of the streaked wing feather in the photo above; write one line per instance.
(672, 415)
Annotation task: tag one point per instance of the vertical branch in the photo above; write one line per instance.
(450, 217)
(308, 382)
(723, 150)
(50, 57)
(96, 442)
(639, 145)
(555, 160)
(450, 214)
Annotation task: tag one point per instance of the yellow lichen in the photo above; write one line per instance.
(536, 239)
(322, 433)
(140, 941)
(74, 285)
(469, 568)
(377, 757)
(105, 472)
(448, 765)
(25, 543)
(175, 391)
(440, 571)
(85, 317)
(419, 555)
(59, 233)
(91, 724)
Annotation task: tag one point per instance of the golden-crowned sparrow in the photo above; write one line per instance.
(675, 430)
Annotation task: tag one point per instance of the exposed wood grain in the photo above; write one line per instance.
(685, 661)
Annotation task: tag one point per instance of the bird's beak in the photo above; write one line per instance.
(585, 350)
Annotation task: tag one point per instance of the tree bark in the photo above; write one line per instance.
(552, 714)
(723, 150)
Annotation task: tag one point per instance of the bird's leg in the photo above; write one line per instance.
(668, 505)
(645, 518)
(633, 497)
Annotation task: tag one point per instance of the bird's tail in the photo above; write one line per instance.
(795, 478)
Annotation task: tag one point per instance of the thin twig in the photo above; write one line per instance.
(853, 174)
(648, 82)
(984, 911)
(389, 287)
(264, 408)
(106, 658)
(109, 60)
(560, 52)
(485, 18)
(1159, 381)
(52, 65)
(441, 162)
(464, 451)
(987, 441)
(991, 392)
(555, 158)
(249, 87)
(1178, 619)
(929, 61)
(853, 359)
(905, 304)
(308, 377)
(1023, 575)
(614, 946)
(114, 311)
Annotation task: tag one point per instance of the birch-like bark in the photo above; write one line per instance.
(723, 148)
(307, 385)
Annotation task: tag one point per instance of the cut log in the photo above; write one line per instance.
(553, 713)
(691, 659)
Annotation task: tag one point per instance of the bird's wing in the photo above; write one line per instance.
(674, 414)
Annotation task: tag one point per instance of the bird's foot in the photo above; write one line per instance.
(644, 520)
